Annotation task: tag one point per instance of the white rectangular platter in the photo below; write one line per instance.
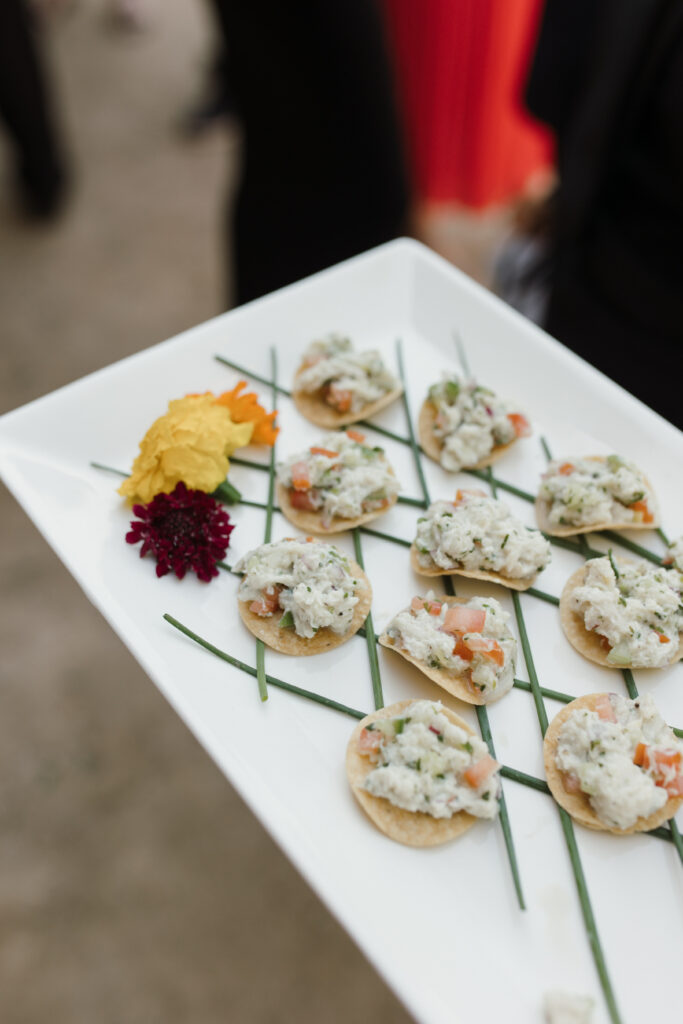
(443, 926)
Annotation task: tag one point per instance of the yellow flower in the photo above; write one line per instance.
(190, 443)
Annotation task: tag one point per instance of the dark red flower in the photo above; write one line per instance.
(183, 530)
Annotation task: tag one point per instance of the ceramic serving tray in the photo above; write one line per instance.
(444, 926)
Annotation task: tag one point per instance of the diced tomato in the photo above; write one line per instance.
(369, 740)
(571, 782)
(639, 756)
(302, 500)
(603, 706)
(339, 398)
(460, 619)
(520, 423)
(566, 469)
(355, 435)
(488, 648)
(301, 478)
(267, 603)
(480, 771)
(324, 451)
(642, 511)
(462, 651)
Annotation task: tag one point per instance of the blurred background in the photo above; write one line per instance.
(160, 161)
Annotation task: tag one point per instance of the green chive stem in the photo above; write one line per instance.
(542, 596)
(631, 545)
(249, 463)
(254, 376)
(663, 536)
(525, 780)
(411, 432)
(546, 449)
(510, 488)
(272, 680)
(385, 536)
(564, 698)
(485, 729)
(589, 919)
(418, 502)
(676, 838)
(109, 469)
(370, 638)
(261, 669)
(462, 354)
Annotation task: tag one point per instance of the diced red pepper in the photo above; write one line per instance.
(643, 513)
(639, 756)
(324, 451)
(566, 469)
(339, 398)
(301, 478)
(302, 500)
(355, 435)
(462, 651)
(267, 603)
(663, 638)
(520, 423)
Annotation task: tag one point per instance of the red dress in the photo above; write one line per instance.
(461, 67)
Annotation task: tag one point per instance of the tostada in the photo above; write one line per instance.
(420, 773)
(463, 425)
(624, 614)
(335, 385)
(336, 485)
(598, 492)
(613, 763)
(302, 596)
(478, 537)
(463, 645)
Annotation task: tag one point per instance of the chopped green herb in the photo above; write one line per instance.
(287, 621)
(505, 540)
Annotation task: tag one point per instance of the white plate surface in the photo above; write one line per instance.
(442, 926)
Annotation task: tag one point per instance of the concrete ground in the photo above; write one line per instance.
(134, 884)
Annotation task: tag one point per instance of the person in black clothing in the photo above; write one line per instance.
(27, 112)
(323, 175)
(608, 78)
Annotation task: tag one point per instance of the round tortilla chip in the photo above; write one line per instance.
(311, 522)
(453, 684)
(587, 641)
(432, 445)
(287, 641)
(542, 509)
(413, 828)
(314, 408)
(471, 574)
(578, 804)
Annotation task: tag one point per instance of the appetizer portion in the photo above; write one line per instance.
(624, 614)
(420, 773)
(478, 537)
(463, 645)
(613, 763)
(302, 596)
(674, 555)
(336, 485)
(335, 385)
(594, 493)
(465, 426)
